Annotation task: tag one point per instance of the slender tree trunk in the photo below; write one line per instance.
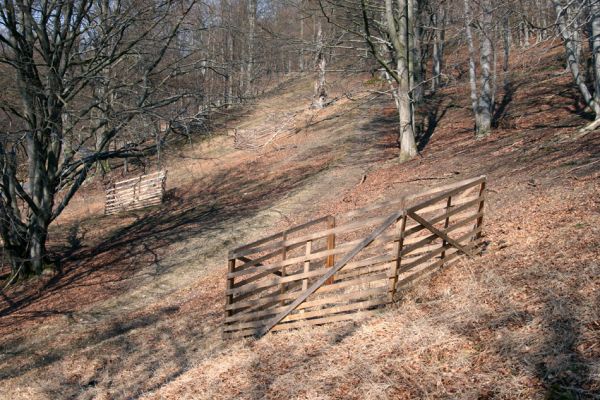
(595, 22)
(417, 55)
(567, 31)
(472, 71)
(438, 49)
(251, 40)
(301, 58)
(320, 95)
(486, 58)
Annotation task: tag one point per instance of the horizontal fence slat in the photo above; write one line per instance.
(311, 314)
(318, 235)
(355, 295)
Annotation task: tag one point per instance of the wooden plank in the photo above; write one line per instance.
(283, 272)
(340, 277)
(243, 287)
(354, 295)
(439, 197)
(323, 291)
(333, 287)
(289, 261)
(311, 314)
(398, 245)
(330, 246)
(480, 210)
(229, 298)
(390, 220)
(453, 212)
(441, 234)
(353, 226)
(433, 266)
(446, 223)
(461, 185)
(303, 323)
(276, 235)
(437, 250)
(307, 265)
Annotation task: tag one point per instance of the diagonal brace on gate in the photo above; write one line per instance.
(338, 266)
(439, 233)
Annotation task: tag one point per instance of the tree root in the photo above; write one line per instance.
(588, 128)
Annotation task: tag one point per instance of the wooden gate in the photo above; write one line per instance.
(135, 193)
(335, 268)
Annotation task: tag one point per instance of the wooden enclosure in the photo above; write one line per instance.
(332, 268)
(135, 193)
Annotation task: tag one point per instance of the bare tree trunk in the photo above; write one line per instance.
(438, 48)
(567, 30)
(251, 40)
(301, 58)
(472, 71)
(506, 44)
(417, 54)
(595, 22)
(320, 95)
(408, 146)
(486, 95)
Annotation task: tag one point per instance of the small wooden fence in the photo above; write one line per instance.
(135, 193)
(333, 268)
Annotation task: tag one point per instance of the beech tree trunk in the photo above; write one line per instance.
(486, 96)
(472, 70)
(401, 42)
(320, 95)
(439, 24)
(251, 39)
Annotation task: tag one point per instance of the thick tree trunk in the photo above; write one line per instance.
(408, 147)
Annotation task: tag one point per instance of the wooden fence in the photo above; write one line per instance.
(335, 267)
(135, 193)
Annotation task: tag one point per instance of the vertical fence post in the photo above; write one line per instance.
(330, 246)
(479, 210)
(306, 266)
(398, 245)
(282, 287)
(446, 223)
(229, 299)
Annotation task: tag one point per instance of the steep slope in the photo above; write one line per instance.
(138, 310)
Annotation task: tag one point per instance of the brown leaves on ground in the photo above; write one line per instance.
(138, 310)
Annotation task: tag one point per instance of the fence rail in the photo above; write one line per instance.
(335, 267)
(136, 193)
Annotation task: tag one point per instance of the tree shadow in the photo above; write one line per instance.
(500, 113)
(215, 205)
(431, 113)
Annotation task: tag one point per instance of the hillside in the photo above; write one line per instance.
(138, 309)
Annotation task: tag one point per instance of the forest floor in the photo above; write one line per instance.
(138, 307)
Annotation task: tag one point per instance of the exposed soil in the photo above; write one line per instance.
(138, 308)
